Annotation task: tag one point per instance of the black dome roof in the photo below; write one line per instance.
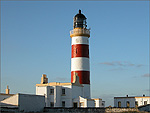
(79, 15)
(79, 21)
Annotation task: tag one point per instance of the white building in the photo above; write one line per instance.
(66, 94)
(131, 101)
(25, 102)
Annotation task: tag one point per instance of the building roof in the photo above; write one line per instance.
(97, 99)
(6, 94)
(54, 84)
(132, 97)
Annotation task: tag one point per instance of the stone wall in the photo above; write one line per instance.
(91, 110)
(74, 110)
(9, 109)
(119, 110)
(77, 110)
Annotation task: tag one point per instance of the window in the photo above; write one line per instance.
(95, 103)
(145, 102)
(51, 91)
(63, 91)
(75, 105)
(103, 104)
(76, 51)
(51, 104)
(136, 104)
(63, 103)
(119, 104)
(128, 104)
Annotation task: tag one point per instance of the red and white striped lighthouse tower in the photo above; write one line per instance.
(80, 53)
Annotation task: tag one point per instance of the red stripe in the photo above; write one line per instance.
(80, 50)
(84, 76)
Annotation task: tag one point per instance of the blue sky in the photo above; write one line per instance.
(35, 39)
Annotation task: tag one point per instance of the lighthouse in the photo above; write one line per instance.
(80, 65)
(77, 92)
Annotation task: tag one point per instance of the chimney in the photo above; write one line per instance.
(44, 79)
(7, 90)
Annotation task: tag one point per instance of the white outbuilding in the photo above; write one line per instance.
(66, 94)
(25, 102)
(131, 102)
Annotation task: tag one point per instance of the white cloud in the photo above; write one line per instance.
(121, 64)
(146, 75)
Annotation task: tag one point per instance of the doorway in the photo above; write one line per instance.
(75, 104)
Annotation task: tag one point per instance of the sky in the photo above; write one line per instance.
(35, 39)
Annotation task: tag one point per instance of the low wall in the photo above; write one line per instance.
(9, 109)
(119, 110)
(75, 110)
(91, 110)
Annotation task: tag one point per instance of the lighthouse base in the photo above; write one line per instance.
(86, 91)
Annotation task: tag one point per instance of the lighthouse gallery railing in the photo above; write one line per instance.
(80, 31)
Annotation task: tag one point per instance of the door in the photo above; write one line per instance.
(75, 104)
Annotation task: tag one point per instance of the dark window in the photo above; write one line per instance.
(136, 104)
(51, 91)
(63, 91)
(128, 104)
(52, 104)
(95, 104)
(75, 105)
(119, 104)
(76, 51)
(145, 102)
(102, 104)
(63, 103)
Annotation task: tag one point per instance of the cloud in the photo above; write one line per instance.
(108, 63)
(117, 69)
(121, 64)
(146, 75)
(140, 65)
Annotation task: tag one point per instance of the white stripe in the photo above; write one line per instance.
(80, 63)
(80, 40)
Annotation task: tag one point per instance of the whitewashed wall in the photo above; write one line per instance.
(29, 103)
(72, 94)
(57, 96)
(131, 100)
(77, 91)
(86, 91)
(141, 101)
(26, 102)
(90, 103)
(124, 102)
(84, 101)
